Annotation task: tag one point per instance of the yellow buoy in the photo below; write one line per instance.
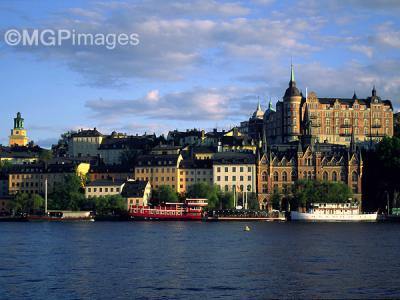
(246, 228)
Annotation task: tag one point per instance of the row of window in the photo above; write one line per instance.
(234, 188)
(226, 178)
(226, 169)
(106, 190)
(309, 175)
(151, 170)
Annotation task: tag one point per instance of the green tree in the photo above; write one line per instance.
(5, 166)
(165, 193)
(45, 155)
(306, 192)
(276, 199)
(227, 200)
(67, 195)
(128, 157)
(207, 191)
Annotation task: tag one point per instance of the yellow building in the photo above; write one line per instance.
(18, 135)
(30, 178)
(159, 170)
(194, 171)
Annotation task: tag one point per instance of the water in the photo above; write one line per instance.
(181, 260)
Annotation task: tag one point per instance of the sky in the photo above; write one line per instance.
(199, 64)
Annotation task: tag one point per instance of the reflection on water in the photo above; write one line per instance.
(199, 260)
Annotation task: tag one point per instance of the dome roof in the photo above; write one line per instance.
(258, 114)
(292, 90)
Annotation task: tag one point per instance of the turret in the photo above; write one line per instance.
(291, 105)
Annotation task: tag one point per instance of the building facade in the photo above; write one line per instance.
(281, 165)
(234, 171)
(193, 171)
(101, 188)
(333, 120)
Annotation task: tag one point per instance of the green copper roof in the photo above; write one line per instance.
(292, 74)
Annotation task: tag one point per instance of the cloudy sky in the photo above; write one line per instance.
(200, 63)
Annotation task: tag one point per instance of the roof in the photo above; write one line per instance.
(350, 101)
(111, 169)
(164, 147)
(203, 149)
(87, 133)
(134, 188)
(157, 160)
(106, 183)
(196, 164)
(233, 158)
(42, 168)
(20, 152)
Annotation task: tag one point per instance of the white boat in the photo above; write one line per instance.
(334, 212)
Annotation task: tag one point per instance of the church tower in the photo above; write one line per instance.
(291, 111)
(18, 134)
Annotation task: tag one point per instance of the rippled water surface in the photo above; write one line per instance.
(181, 260)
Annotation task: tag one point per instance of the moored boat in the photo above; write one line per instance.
(334, 212)
(190, 210)
(63, 215)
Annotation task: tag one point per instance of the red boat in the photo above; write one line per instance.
(190, 210)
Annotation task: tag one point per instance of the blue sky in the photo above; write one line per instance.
(199, 64)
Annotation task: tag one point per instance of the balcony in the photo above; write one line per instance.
(315, 124)
(345, 125)
(345, 134)
(376, 126)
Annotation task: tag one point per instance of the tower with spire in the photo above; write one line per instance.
(291, 110)
(18, 135)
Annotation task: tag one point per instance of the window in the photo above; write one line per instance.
(284, 176)
(249, 169)
(264, 176)
(265, 188)
(226, 188)
(233, 169)
(218, 178)
(343, 176)
(226, 178)
(241, 169)
(276, 176)
(325, 175)
(334, 176)
(354, 176)
(293, 174)
(249, 188)
(89, 190)
(233, 178)
(241, 178)
(226, 169)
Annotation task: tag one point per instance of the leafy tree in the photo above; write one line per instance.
(227, 200)
(207, 191)
(105, 205)
(68, 194)
(27, 203)
(5, 166)
(45, 155)
(165, 193)
(306, 192)
(128, 157)
(276, 199)
(381, 171)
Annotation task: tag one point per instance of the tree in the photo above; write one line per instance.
(105, 205)
(166, 194)
(68, 194)
(227, 200)
(207, 191)
(27, 203)
(45, 155)
(381, 169)
(5, 166)
(306, 192)
(128, 157)
(276, 199)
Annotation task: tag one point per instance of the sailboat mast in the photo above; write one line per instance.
(45, 196)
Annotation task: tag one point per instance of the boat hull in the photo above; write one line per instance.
(160, 217)
(299, 216)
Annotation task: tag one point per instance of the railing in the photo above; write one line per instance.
(345, 125)
(376, 126)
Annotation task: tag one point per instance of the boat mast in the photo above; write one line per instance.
(45, 196)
